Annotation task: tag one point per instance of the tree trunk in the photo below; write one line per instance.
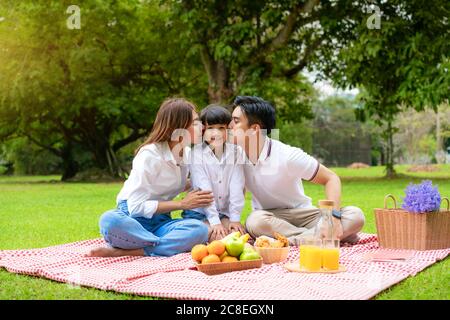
(105, 158)
(220, 94)
(390, 171)
(70, 166)
(382, 156)
(219, 87)
(113, 164)
(439, 141)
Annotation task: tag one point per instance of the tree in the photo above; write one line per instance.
(241, 42)
(403, 63)
(98, 87)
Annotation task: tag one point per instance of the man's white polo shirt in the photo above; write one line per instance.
(275, 181)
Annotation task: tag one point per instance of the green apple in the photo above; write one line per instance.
(234, 246)
(249, 254)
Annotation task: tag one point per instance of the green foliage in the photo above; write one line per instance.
(28, 159)
(297, 134)
(252, 47)
(427, 145)
(98, 87)
(292, 98)
(93, 91)
(401, 63)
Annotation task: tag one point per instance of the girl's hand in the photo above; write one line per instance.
(188, 185)
(236, 226)
(218, 232)
(197, 199)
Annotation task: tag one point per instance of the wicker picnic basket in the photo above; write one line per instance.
(222, 267)
(400, 229)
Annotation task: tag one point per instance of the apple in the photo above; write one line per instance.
(249, 254)
(234, 246)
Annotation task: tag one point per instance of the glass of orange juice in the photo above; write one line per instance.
(330, 254)
(311, 254)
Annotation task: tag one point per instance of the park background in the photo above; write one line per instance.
(361, 85)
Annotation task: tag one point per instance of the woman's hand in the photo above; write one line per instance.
(236, 226)
(197, 199)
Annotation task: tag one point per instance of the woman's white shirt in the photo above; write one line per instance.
(155, 176)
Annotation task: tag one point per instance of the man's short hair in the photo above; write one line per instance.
(257, 110)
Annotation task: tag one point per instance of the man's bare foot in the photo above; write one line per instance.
(114, 252)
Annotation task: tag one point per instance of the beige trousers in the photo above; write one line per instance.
(296, 224)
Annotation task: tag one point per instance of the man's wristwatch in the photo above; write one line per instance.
(336, 213)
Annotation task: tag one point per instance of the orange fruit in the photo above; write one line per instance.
(198, 252)
(212, 258)
(223, 255)
(229, 259)
(216, 247)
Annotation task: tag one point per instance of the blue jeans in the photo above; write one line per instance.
(159, 236)
(190, 214)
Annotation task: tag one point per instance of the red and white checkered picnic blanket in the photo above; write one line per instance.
(176, 277)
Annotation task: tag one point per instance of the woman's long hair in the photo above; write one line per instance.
(174, 113)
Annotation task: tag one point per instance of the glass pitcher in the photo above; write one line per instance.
(325, 232)
(324, 227)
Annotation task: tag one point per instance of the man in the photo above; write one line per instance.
(274, 174)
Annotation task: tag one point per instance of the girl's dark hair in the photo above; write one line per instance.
(257, 110)
(215, 114)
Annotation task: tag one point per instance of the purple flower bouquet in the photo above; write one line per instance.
(421, 198)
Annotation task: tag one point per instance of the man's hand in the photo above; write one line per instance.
(236, 226)
(218, 232)
(337, 228)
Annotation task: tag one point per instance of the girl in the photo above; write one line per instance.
(141, 224)
(217, 166)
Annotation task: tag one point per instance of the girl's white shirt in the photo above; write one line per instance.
(224, 177)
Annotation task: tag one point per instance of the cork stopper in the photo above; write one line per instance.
(326, 203)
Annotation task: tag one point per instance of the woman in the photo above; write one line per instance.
(141, 224)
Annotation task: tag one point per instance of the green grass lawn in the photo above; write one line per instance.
(40, 211)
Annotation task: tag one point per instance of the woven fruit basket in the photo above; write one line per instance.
(400, 229)
(222, 267)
